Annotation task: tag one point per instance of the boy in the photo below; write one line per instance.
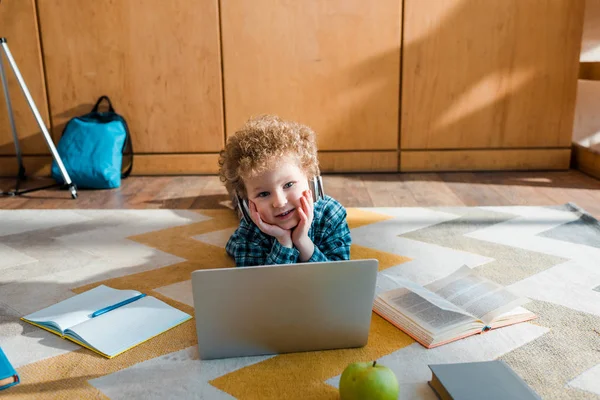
(268, 164)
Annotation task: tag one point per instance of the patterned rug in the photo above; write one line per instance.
(549, 254)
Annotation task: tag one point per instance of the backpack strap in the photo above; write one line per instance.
(110, 106)
(127, 144)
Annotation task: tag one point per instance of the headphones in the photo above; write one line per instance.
(316, 186)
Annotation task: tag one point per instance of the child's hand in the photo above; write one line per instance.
(284, 236)
(300, 233)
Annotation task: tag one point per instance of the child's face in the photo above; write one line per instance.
(277, 192)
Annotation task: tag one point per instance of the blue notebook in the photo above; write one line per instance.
(108, 321)
(8, 375)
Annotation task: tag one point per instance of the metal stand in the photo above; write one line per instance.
(21, 174)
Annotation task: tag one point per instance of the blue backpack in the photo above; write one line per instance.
(92, 147)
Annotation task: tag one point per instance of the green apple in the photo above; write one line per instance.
(368, 381)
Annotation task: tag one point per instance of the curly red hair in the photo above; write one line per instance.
(259, 143)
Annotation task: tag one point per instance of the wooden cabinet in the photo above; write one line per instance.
(391, 85)
(18, 24)
(158, 60)
(481, 77)
(333, 65)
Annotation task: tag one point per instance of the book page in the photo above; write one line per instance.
(127, 326)
(488, 307)
(7, 381)
(423, 311)
(79, 308)
(516, 312)
(479, 296)
(426, 294)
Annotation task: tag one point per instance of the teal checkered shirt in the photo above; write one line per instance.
(329, 233)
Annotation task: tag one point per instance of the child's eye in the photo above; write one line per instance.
(288, 185)
(262, 194)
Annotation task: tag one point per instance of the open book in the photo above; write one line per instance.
(460, 305)
(108, 321)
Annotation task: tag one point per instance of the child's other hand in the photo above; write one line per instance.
(306, 213)
(284, 236)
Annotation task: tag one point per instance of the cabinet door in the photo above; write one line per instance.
(485, 74)
(333, 65)
(159, 61)
(18, 24)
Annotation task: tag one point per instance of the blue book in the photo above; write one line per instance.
(8, 375)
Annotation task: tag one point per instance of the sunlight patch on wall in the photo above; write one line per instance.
(590, 48)
(485, 93)
(586, 128)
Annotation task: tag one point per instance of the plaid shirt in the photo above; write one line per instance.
(329, 232)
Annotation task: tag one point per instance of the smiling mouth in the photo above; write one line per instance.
(285, 214)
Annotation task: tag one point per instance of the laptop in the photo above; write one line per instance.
(275, 309)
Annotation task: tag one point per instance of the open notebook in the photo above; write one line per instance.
(126, 318)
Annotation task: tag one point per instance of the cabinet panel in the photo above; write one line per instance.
(489, 73)
(159, 61)
(333, 65)
(18, 24)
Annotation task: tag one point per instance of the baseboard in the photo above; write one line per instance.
(34, 165)
(197, 164)
(484, 160)
(586, 160)
(350, 162)
(589, 70)
(208, 163)
(176, 164)
(358, 161)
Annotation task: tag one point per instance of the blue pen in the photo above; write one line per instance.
(110, 308)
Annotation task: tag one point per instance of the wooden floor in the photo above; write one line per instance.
(362, 190)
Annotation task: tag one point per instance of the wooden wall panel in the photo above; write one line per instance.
(159, 61)
(489, 73)
(334, 65)
(18, 24)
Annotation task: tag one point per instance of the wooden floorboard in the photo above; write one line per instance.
(352, 190)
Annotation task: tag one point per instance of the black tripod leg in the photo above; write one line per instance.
(20, 177)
